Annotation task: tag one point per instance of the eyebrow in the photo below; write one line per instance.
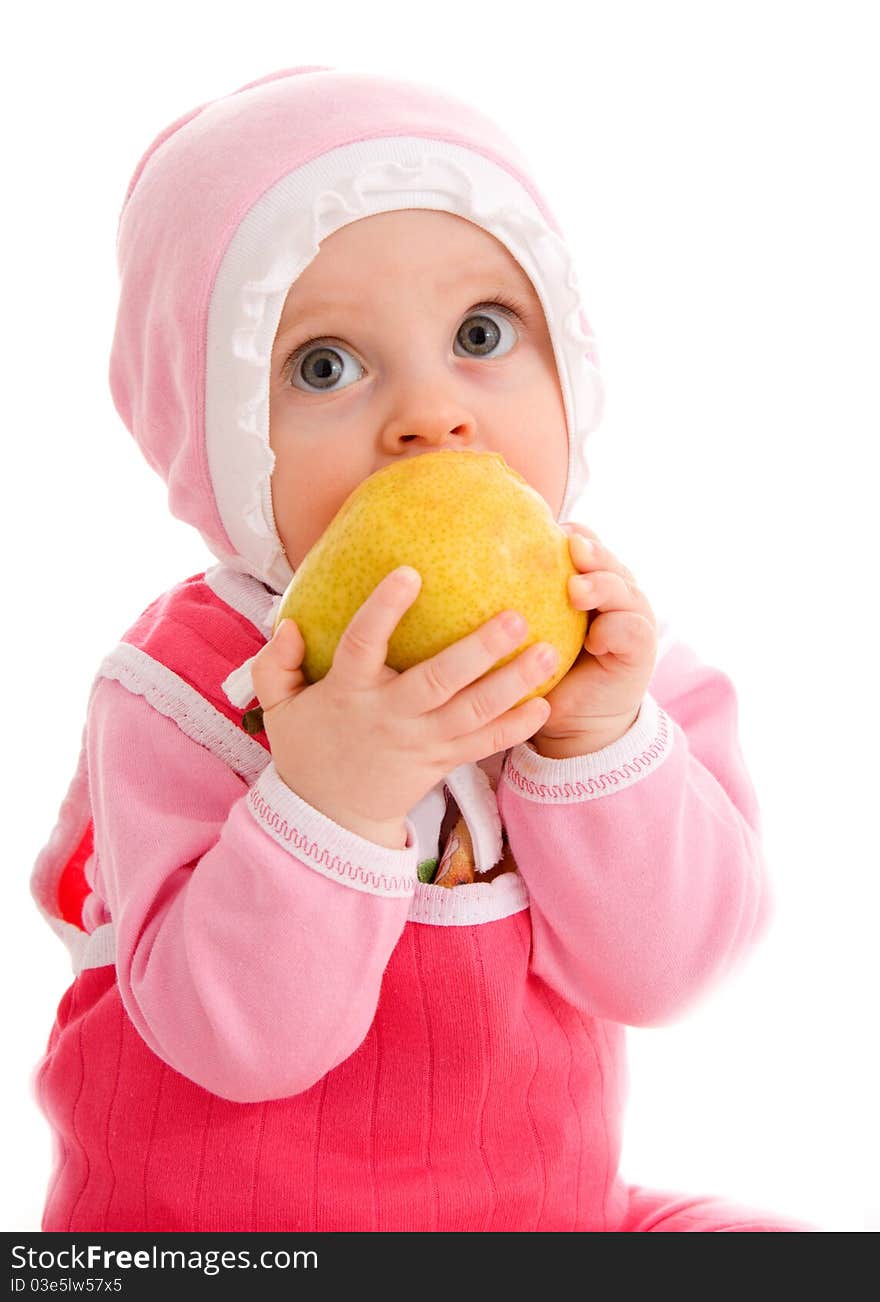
(470, 275)
(465, 276)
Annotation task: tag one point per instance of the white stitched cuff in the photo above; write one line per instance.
(639, 752)
(329, 848)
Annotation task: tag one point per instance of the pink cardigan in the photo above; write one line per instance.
(298, 1034)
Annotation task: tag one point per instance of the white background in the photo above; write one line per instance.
(713, 167)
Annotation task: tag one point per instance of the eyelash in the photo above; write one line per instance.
(500, 299)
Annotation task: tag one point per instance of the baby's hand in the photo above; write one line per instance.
(600, 696)
(365, 743)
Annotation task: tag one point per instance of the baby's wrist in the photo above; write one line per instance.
(583, 743)
(391, 833)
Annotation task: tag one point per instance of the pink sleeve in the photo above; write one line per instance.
(252, 932)
(643, 862)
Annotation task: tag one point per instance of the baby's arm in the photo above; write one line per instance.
(253, 926)
(642, 860)
(245, 958)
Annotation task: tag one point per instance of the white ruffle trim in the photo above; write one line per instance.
(276, 241)
(198, 718)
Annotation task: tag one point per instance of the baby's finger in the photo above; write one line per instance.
(508, 730)
(626, 635)
(588, 553)
(435, 681)
(484, 704)
(277, 667)
(363, 648)
(606, 590)
(574, 527)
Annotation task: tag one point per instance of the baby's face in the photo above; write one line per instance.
(394, 342)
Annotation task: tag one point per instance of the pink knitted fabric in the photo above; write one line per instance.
(275, 1050)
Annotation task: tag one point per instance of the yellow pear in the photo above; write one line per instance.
(480, 536)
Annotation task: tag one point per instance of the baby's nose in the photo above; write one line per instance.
(439, 426)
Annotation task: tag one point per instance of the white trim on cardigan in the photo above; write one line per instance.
(470, 905)
(330, 849)
(640, 751)
(97, 949)
(198, 718)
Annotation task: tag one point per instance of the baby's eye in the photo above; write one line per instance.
(480, 335)
(324, 367)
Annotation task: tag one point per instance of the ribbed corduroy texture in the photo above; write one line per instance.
(507, 1143)
(448, 1117)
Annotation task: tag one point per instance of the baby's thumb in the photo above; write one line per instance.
(277, 668)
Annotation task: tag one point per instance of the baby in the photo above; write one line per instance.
(275, 1023)
(396, 379)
